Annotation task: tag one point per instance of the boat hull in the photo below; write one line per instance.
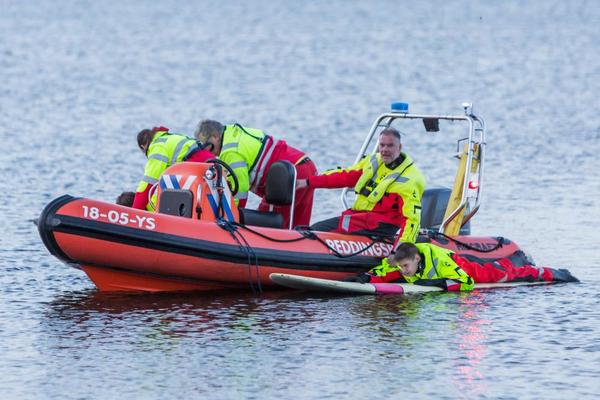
(123, 249)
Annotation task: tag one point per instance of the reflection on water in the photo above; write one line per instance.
(294, 339)
(174, 315)
(377, 330)
(471, 343)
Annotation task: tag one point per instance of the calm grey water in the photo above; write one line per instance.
(80, 78)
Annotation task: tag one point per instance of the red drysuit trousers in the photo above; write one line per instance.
(502, 270)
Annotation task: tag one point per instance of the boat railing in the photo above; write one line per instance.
(475, 147)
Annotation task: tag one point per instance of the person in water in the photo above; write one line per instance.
(250, 152)
(388, 187)
(430, 265)
(126, 199)
(163, 149)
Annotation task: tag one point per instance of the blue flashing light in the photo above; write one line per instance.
(400, 107)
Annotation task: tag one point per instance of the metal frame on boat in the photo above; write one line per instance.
(474, 149)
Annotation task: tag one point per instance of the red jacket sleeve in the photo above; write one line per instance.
(389, 277)
(140, 201)
(337, 179)
(201, 156)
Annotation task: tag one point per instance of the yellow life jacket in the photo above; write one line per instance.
(377, 179)
(247, 151)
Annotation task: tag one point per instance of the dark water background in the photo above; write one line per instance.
(80, 78)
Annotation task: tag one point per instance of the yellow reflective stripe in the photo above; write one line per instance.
(396, 177)
(177, 150)
(375, 165)
(241, 195)
(231, 157)
(149, 179)
(229, 146)
(154, 168)
(158, 157)
(369, 169)
(346, 222)
(239, 164)
(433, 271)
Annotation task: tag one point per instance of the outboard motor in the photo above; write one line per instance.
(433, 206)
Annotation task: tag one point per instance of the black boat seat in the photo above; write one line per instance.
(280, 183)
(280, 188)
(433, 208)
(268, 219)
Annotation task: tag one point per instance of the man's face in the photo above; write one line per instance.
(216, 144)
(389, 148)
(144, 149)
(409, 266)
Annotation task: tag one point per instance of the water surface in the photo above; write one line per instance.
(80, 78)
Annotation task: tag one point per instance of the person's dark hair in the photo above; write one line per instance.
(126, 199)
(144, 137)
(207, 128)
(403, 251)
(391, 131)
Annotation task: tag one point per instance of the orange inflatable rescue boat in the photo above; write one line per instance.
(199, 240)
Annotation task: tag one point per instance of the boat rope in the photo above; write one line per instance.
(307, 233)
(220, 210)
(247, 249)
(500, 241)
(337, 253)
(262, 235)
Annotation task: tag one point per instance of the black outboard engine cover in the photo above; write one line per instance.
(433, 208)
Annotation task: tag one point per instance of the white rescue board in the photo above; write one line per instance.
(328, 285)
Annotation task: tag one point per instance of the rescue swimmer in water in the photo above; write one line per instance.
(125, 199)
(430, 265)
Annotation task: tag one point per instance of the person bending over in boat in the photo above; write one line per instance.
(250, 152)
(430, 265)
(388, 187)
(163, 149)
